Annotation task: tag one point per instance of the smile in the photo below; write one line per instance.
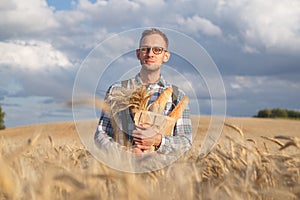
(149, 61)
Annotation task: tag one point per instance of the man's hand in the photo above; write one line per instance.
(136, 150)
(145, 137)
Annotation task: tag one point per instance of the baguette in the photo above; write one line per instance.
(178, 110)
(160, 103)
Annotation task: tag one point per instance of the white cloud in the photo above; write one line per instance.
(247, 82)
(110, 13)
(25, 16)
(197, 24)
(31, 55)
(70, 18)
(152, 4)
(249, 49)
(260, 85)
(271, 24)
(278, 27)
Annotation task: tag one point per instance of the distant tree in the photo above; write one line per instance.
(2, 115)
(278, 113)
(293, 114)
(264, 113)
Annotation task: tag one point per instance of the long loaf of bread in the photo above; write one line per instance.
(160, 103)
(178, 110)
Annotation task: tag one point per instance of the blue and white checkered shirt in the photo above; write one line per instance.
(181, 138)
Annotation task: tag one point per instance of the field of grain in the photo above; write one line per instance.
(254, 159)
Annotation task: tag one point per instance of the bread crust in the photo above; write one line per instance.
(159, 104)
(178, 110)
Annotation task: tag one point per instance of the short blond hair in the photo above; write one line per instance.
(155, 31)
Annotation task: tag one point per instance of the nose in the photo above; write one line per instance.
(150, 52)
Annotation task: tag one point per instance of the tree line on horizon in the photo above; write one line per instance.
(2, 115)
(278, 113)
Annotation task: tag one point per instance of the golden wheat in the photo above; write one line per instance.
(139, 100)
(44, 168)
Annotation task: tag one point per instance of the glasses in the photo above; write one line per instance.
(155, 50)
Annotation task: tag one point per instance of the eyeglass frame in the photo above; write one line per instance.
(149, 48)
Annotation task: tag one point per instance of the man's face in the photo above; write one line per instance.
(152, 52)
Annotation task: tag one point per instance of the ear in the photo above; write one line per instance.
(137, 53)
(166, 56)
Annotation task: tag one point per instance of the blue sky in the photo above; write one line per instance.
(254, 44)
(61, 5)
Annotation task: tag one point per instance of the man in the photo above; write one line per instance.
(152, 53)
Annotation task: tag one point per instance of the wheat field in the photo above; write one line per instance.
(254, 159)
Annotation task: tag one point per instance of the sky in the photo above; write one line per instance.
(45, 44)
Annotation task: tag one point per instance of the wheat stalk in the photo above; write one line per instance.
(273, 140)
(235, 128)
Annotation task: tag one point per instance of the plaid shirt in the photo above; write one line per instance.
(181, 138)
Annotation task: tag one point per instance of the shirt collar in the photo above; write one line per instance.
(161, 81)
